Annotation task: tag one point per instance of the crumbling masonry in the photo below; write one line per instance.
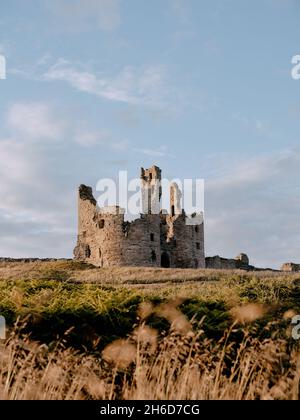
(155, 239)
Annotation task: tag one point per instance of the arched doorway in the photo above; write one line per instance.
(165, 260)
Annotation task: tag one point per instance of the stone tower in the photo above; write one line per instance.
(175, 200)
(151, 190)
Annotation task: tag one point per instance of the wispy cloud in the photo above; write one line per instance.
(80, 15)
(104, 138)
(132, 85)
(43, 158)
(160, 152)
(181, 9)
(92, 138)
(33, 130)
(35, 121)
(261, 127)
(253, 206)
(149, 86)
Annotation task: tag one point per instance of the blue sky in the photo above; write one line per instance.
(201, 88)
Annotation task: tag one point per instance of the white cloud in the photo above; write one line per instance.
(181, 9)
(261, 127)
(92, 138)
(103, 138)
(35, 203)
(245, 174)
(15, 169)
(120, 146)
(28, 184)
(5, 47)
(34, 121)
(138, 86)
(254, 207)
(39, 178)
(78, 15)
(160, 152)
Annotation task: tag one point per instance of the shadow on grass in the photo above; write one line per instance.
(87, 329)
(90, 330)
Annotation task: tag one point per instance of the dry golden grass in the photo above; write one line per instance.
(146, 366)
(249, 312)
(79, 272)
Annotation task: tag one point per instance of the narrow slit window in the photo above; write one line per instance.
(87, 251)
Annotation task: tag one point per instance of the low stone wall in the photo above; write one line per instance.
(241, 262)
(30, 260)
(291, 267)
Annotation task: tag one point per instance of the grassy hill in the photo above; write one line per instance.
(108, 317)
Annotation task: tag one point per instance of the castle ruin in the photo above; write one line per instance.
(155, 239)
(241, 262)
(290, 267)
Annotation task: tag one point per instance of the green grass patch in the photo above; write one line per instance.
(94, 314)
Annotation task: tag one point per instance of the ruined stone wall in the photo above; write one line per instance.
(142, 245)
(220, 263)
(241, 262)
(106, 240)
(290, 267)
(129, 244)
(153, 240)
(99, 234)
(32, 260)
(183, 244)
